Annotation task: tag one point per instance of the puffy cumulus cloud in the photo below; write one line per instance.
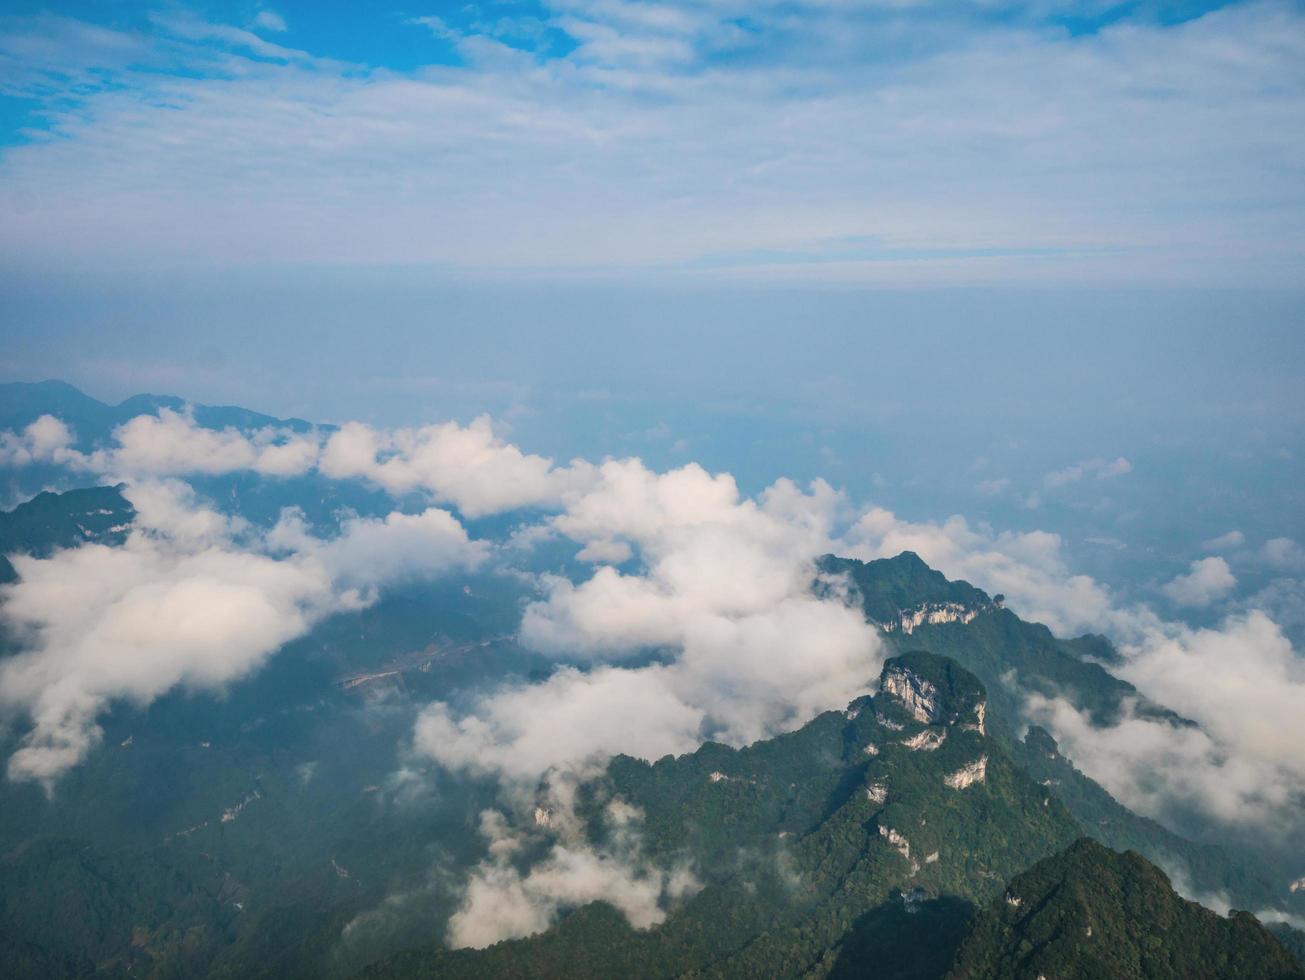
(1027, 568)
(173, 444)
(1207, 580)
(192, 599)
(573, 721)
(501, 901)
(705, 553)
(1102, 469)
(1163, 770)
(1243, 684)
(168, 443)
(46, 440)
(467, 466)
(377, 550)
(723, 594)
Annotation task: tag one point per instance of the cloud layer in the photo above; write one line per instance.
(801, 139)
(467, 466)
(697, 619)
(193, 599)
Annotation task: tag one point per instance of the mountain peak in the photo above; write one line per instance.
(901, 593)
(1093, 912)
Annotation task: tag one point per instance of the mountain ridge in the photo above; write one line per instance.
(93, 421)
(1090, 912)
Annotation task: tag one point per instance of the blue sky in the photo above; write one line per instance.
(383, 35)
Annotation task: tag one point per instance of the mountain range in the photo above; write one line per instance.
(922, 831)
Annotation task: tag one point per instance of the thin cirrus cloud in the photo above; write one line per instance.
(706, 140)
(1101, 469)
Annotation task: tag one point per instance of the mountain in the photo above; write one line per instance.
(1091, 913)
(63, 520)
(870, 838)
(252, 496)
(902, 593)
(92, 421)
(1292, 939)
(871, 832)
(869, 835)
(238, 835)
(917, 606)
(1013, 658)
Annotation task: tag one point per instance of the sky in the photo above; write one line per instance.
(906, 143)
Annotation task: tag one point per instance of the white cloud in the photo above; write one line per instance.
(1102, 469)
(573, 721)
(1283, 553)
(723, 592)
(469, 466)
(668, 136)
(1225, 542)
(1162, 770)
(168, 443)
(1242, 683)
(375, 550)
(46, 440)
(182, 26)
(710, 631)
(173, 444)
(269, 20)
(1283, 601)
(501, 902)
(744, 650)
(1117, 467)
(192, 599)
(1209, 579)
